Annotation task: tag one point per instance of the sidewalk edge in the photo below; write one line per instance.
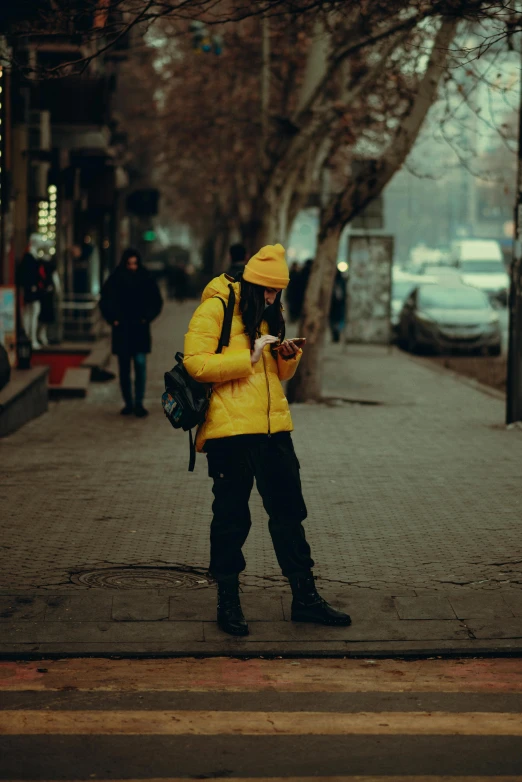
(373, 650)
(468, 381)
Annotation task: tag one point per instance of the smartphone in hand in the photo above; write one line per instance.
(297, 341)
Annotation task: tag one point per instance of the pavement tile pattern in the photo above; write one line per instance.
(411, 480)
(143, 622)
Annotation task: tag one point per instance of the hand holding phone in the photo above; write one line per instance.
(288, 344)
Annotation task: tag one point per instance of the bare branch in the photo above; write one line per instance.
(363, 189)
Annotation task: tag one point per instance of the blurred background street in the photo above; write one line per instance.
(140, 131)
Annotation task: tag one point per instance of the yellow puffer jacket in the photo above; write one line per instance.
(246, 398)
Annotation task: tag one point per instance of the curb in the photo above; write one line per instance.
(231, 649)
(23, 399)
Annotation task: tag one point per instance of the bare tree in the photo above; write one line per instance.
(349, 200)
(301, 87)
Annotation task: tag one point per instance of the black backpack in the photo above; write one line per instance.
(185, 401)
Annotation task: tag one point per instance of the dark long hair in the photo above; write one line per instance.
(254, 311)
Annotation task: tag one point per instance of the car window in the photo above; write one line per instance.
(459, 298)
(482, 267)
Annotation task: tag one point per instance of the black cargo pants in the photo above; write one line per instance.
(234, 463)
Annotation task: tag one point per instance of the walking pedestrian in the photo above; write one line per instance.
(50, 289)
(337, 315)
(130, 301)
(246, 435)
(177, 281)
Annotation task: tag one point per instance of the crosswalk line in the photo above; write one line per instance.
(258, 723)
(225, 674)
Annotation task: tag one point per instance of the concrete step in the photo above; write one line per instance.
(23, 398)
(74, 384)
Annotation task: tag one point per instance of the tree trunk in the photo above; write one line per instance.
(221, 245)
(306, 384)
(269, 220)
(316, 62)
(215, 247)
(345, 205)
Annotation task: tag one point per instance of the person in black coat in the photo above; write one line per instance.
(337, 315)
(130, 301)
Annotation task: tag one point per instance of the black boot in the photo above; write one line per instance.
(309, 606)
(229, 614)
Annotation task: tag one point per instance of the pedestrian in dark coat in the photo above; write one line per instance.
(130, 301)
(338, 307)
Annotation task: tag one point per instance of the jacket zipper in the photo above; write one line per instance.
(268, 392)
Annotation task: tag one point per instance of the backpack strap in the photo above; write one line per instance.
(192, 459)
(224, 339)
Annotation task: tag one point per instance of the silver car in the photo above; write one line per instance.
(449, 318)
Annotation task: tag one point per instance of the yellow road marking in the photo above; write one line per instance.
(258, 723)
(232, 675)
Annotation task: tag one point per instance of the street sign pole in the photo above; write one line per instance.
(514, 363)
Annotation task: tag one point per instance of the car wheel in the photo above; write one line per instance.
(495, 350)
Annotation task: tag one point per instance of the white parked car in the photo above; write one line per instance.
(481, 264)
(446, 275)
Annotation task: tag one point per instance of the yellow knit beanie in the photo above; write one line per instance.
(268, 267)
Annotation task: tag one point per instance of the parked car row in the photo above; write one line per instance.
(448, 317)
(449, 308)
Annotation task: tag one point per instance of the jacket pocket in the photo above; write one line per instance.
(217, 467)
(227, 463)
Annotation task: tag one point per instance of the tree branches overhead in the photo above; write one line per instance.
(102, 24)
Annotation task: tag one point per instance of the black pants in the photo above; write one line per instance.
(140, 377)
(233, 463)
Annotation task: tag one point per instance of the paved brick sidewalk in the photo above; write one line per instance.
(414, 492)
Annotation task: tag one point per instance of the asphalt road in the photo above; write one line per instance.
(274, 720)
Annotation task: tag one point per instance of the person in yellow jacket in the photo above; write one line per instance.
(246, 435)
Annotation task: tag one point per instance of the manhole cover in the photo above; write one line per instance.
(139, 578)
